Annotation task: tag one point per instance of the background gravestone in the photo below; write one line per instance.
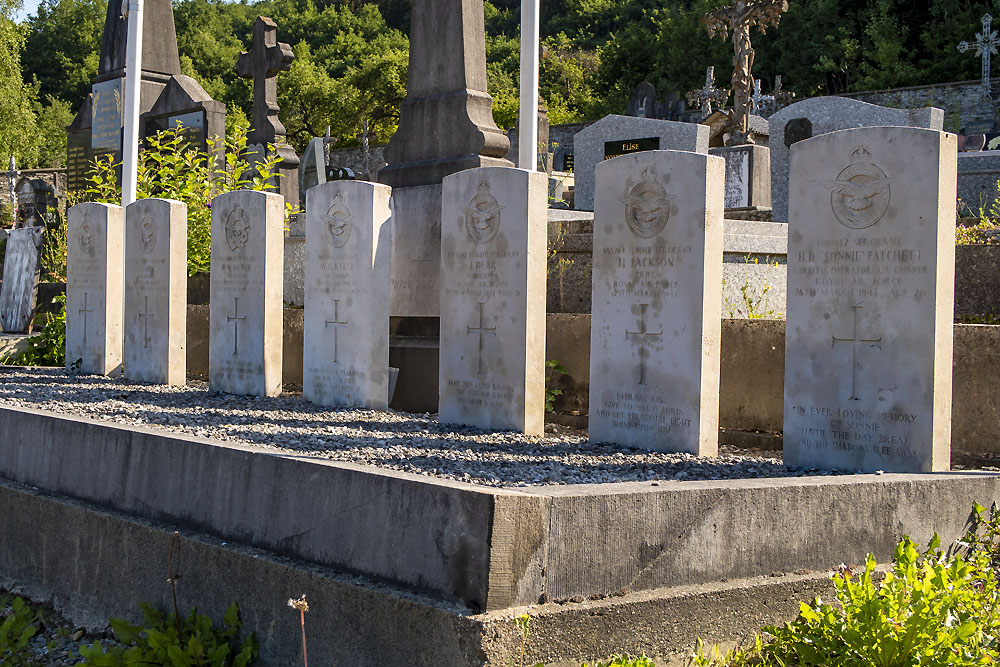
(819, 115)
(655, 327)
(596, 143)
(245, 317)
(871, 277)
(493, 257)
(20, 278)
(156, 291)
(346, 330)
(95, 236)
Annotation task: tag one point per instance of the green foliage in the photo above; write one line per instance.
(18, 125)
(18, 624)
(169, 167)
(63, 43)
(157, 642)
(555, 368)
(624, 661)
(984, 232)
(752, 304)
(48, 347)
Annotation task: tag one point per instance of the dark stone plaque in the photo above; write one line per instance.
(106, 116)
(798, 129)
(78, 157)
(616, 148)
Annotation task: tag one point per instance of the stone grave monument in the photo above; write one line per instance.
(617, 135)
(871, 276)
(655, 327)
(493, 253)
(245, 317)
(95, 236)
(346, 330)
(21, 266)
(819, 115)
(748, 175)
(156, 291)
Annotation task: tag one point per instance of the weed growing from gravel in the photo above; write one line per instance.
(18, 626)
(48, 347)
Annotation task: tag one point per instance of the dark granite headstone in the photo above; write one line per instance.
(613, 149)
(798, 129)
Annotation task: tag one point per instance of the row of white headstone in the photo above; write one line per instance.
(870, 298)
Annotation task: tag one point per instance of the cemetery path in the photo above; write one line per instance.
(414, 443)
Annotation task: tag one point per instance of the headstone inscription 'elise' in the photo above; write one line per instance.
(655, 327)
(871, 262)
(156, 291)
(492, 372)
(346, 330)
(94, 279)
(245, 318)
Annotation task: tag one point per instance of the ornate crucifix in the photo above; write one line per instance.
(740, 16)
(708, 94)
(986, 45)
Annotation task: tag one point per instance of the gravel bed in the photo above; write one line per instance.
(57, 641)
(415, 443)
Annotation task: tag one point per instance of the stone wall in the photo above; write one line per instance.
(962, 101)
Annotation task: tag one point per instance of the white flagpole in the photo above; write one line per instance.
(133, 78)
(528, 134)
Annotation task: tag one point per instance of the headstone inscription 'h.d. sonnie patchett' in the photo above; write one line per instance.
(20, 277)
(492, 372)
(871, 274)
(346, 335)
(156, 291)
(95, 236)
(655, 327)
(245, 324)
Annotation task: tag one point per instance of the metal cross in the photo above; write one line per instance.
(871, 342)
(986, 45)
(643, 334)
(708, 94)
(84, 311)
(757, 98)
(337, 323)
(481, 330)
(145, 317)
(236, 318)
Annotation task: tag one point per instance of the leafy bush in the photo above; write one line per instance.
(47, 348)
(159, 641)
(16, 630)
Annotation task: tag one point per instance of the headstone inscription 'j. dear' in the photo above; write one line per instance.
(156, 291)
(655, 327)
(346, 335)
(492, 372)
(868, 342)
(20, 278)
(245, 324)
(95, 236)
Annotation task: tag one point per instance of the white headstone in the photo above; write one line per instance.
(156, 291)
(871, 274)
(416, 251)
(655, 326)
(245, 327)
(20, 278)
(492, 368)
(346, 336)
(95, 238)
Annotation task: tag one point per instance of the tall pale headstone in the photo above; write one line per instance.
(20, 278)
(156, 291)
(492, 371)
(346, 336)
(95, 238)
(655, 327)
(871, 274)
(245, 324)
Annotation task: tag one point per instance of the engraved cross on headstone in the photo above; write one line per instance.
(145, 317)
(986, 45)
(262, 63)
(854, 340)
(84, 311)
(236, 318)
(337, 324)
(481, 330)
(643, 334)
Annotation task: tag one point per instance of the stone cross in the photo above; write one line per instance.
(337, 325)
(262, 63)
(145, 316)
(854, 340)
(481, 330)
(986, 45)
(235, 319)
(643, 334)
(740, 17)
(708, 94)
(758, 98)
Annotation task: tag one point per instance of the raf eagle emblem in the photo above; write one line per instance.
(860, 194)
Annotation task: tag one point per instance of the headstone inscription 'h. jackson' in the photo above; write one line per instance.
(871, 274)
(346, 330)
(156, 291)
(95, 235)
(20, 278)
(493, 299)
(245, 317)
(655, 327)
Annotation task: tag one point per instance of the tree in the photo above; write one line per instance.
(18, 126)
(62, 45)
